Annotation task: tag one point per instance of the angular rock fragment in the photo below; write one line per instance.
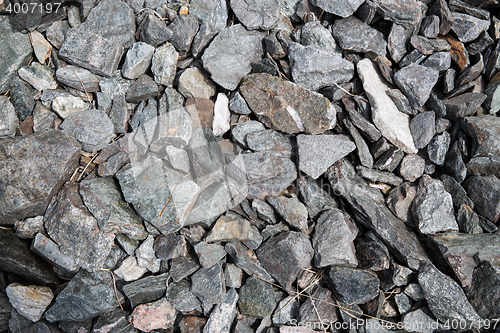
(181, 298)
(397, 41)
(152, 316)
(379, 176)
(365, 157)
(370, 210)
(227, 229)
(333, 240)
(432, 207)
(285, 255)
(445, 298)
(113, 321)
(137, 60)
(320, 305)
(212, 12)
(257, 298)
(292, 210)
(40, 77)
(262, 15)
(29, 301)
(271, 141)
(314, 34)
(49, 250)
(26, 158)
(356, 36)
(208, 284)
(222, 316)
(170, 246)
(209, 254)
(75, 230)
(146, 256)
(145, 290)
(193, 84)
(245, 259)
(438, 147)
(485, 193)
(86, 296)
(314, 197)
(91, 51)
(8, 118)
(483, 295)
(412, 167)
(342, 8)
(400, 199)
(393, 124)
(78, 78)
(221, 115)
(315, 69)
(423, 128)
(129, 270)
(353, 286)
(287, 107)
(416, 82)
(164, 64)
(468, 27)
(234, 45)
(463, 105)
(429, 46)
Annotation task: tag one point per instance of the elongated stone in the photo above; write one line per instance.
(29, 301)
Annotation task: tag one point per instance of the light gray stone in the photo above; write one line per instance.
(137, 60)
(164, 64)
(8, 118)
(260, 14)
(342, 8)
(40, 77)
(29, 301)
(192, 83)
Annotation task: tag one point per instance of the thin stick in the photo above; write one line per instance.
(171, 194)
(85, 169)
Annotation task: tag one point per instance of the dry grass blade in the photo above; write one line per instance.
(85, 169)
(81, 82)
(171, 194)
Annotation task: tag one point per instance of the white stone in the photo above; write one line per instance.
(137, 60)
(221, 115)
(40, 77)
(29, 301)
(129, 270)
(178, 158)
(392, 123)
(66, 105)
(41, 46)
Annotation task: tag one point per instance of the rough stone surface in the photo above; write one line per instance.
(152, 316)
(262, 15)
(483, 295)
(184, 28)
(257, 298)
(423, 128)
(416, 82)
(485, 193)
(164, 64)
(356, 36)
(8, 118)
(223, 315)
(209, 254)
(40, 77)
(137, 60)
(353, 286)
(284, 255)
(129, 270)
(468, 27)
(193, 84)
(213, 12)
(342, 8)
(234, 45)
(29, 301)
(145, 290)
(412, 167)
(290, 108)
(445, 298)
(463, 105)
(392, 123)
(208, 284)
(438, 147)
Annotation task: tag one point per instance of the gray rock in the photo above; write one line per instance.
(314, 34)
(86, 296)
(115, 321)
(468, 27)
(457, 192)
(178, 158)
(49, 250)
(318, 307)
(397, 41)
(213, 12)
(440, 61)
(315, 69)
(482, 293)
(287, 310)
(174, 128)
(78, 78)
(146, 290)
(291, 108)
(463, 105)
(170, 247)
(208, 284)
(182, 267)
(129, 270)
(75, 230)
(181, 298)
(370, 210)
(432, 207)
(222, 317)
(22, 96)
(271, 141)
(292, 211)
(392, 123)
(483, 130)
(233, 275)
(423, 128)
(91, 51)
(416, 82)
(137, 60)
(103, 199)
(29, 227)
(429, 46)
(450, 250)
(314, 197)
(468, 220)
(245, 259)
(237, 104)
(430, 26)
(365, 157)
(40, 77)
(241, 131)
(366, 127)
(91, 128)
(353, 286)
(143, 124)
(438, 147)
(119, 114)
(113, 20)
(227, 229)
(115, 85)
(65, 105)
(412, 167)
(354, 35)
(154, 31)
(342, 8)
(203, 37)
(284, 255)
(485, 193)
(400, 199)
(445, 298)
(184, 28)
(18, 259)
(26, 158)
(261, 15)
(421, 320)
(257, 298)
(406, 13)
(233, 45)
(333, 240)
(142, 89)
(16, 50)
(8, 118)
(379, 176)
(389, 160)
(164, 64)
(146, 256)
(192, 83)
(209, 254)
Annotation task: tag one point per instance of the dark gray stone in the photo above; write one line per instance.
(271, 141)
(314, 34)
(289, 108)
(445, 298)
(209, 254)
(438, 147)
(287, 310)
(208, 284)
(170, 246)
(397, 41)
(91, 51)
(257, 298)
(423, 128)
(22, 96)
(75, 230)
(314, 197)
(416, 82)
(463, 105)
(154, 31)
(342, 8)
(213, 12)
(353, 286)
(432, 207)
(401, 101)
(146, 290)
(143, 124)
(182, 267)
(457, 192)
(86, 296)
(370, 210)
(113, 20)
(119, 114)
(374, 175)
(441, 9)
(78, 78)
(429, 46)
(114, 321)
(449, 80)
(412, 167)
(485, 193)
(203, 37)
(16, 51)
(315, 69)
(262, 15)
(482, 294)
(468, 27)
(371, 132)
(356, 36)
(245, 259)
(319, 307)
(237, 104)
(292, 211)
(234, 45)
(440, 61)
(372, 254)
(103, 199)
(399, 201)
(285, 255)
(430, 26)
(241, 131)
(184, 28)
(181, 298)
(462, 252)
(142, 89)
(468, 220)
(91, 128)
(363, 151)
(33, 169)
(222, 317)
(470, 74)
(389, 160)
(333, 240)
